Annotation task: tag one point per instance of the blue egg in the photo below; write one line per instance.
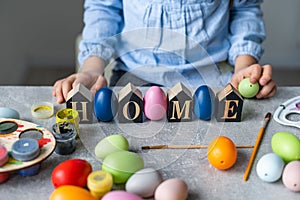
(6, 112)
(204, 102)
(269, 168)
(105, 104)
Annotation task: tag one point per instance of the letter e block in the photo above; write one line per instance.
(229, 105)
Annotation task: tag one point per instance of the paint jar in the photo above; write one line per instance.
(30, 171)
(4, 177)
(25, 149)
(69, 115)
(99, 183)
(65, 135)
(3, 155)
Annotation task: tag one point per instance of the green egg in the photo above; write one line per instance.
(286, 145)
(111, 144)
(122, 164)
(247, 89)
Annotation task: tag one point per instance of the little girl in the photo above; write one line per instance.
(162, 42)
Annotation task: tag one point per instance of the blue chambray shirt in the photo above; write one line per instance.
(167, 41)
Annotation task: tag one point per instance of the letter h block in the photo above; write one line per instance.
(229, 105)
(131, 105)
(180, 104)
(81, 99)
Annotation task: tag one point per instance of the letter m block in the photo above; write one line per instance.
(180, 104)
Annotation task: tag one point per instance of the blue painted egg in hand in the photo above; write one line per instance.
(204, 102)
(105, 104)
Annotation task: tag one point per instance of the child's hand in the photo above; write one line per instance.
(257, 73)
(89, 79)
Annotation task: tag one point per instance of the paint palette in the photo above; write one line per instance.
(288, 113)
(12, 130)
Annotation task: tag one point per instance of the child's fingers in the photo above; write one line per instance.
(255, 73)
(266, 75)
(267, 91)
(101, 82)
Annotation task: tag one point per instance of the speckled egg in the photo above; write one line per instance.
(111, 144)
(6, 112)
(120, 195)
(136, 183)
(291, 176)
(286, 145)
(105, 104)
(269, 167)
(172, 189)
(122, 164)
(155, 103)
(204, 102)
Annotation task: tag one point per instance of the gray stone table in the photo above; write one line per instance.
(204, 181)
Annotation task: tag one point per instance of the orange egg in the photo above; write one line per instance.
(71, 192)
(222, 153)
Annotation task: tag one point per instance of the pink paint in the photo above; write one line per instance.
(155, 103)
(3, 155)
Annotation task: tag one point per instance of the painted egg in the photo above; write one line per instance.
(122, 164)
(111, 144)
(71, 172)
(222, 153)
(247, 89)
(105, 104)
(286, 145)
(136, 183)
(6, 112)
(204, 102)
(71, 192)
(269, 167)
(172, 189)
(291, 176)
(119, 194)
(155, 103)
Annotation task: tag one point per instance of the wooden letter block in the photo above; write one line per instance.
(81, 99)
(229, 105)
(180, 104)
(131, 104)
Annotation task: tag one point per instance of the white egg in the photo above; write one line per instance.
(144, 182)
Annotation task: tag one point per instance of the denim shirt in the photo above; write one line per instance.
(167, 41)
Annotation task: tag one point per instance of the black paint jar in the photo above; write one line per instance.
(65, 135)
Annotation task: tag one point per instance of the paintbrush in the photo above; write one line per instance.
(196, 146)
(257, 143)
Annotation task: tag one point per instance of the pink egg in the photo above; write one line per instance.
(120, 194)
(171, 189)
(291, 176)
(155, 103)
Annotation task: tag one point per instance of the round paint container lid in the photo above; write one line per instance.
(30, 171)
(3, 155)
(25, 149)
(42, 110)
